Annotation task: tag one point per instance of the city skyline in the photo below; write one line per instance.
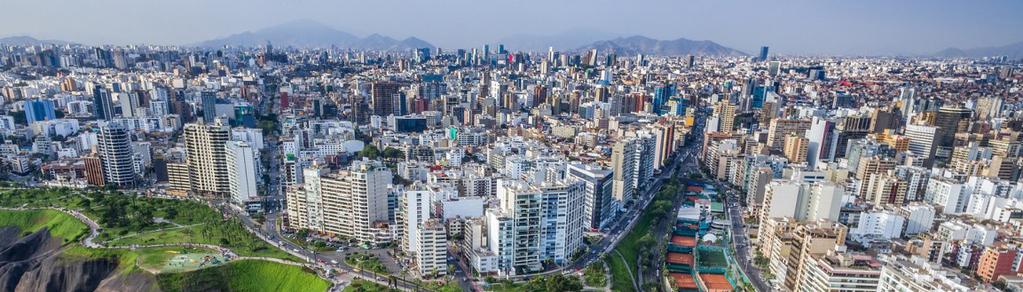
(862, 28)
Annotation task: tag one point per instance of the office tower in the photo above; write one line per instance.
(774, 68)
(850, 128)
(207, 157)
(644, 158)
(949, 121)
(209, 106)
(923, 141)
(39, 110)
(598, 200)
(241, 172)
(796, 148)
(102, 104)
(355, 200)
(116, 156)
(623, 165)
(763, 54)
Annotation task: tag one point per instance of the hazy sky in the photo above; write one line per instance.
(788, 26)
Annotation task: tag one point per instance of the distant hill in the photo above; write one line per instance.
(643, 45)
(1014, 51)
(29, 41)
(567, 40)
(311, 34)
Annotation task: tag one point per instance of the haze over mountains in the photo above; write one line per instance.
(22, 40)
(1014, 51)
(310, 34)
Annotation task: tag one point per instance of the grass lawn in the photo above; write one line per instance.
(61, 225)
(129, 219)
(620, 280)
(245, 275)
(126, 259)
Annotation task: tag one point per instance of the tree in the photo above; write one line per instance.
(392, 153)
(370, 152)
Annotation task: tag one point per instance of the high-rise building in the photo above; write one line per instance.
(209, 106)
(39, 110)
(923, 142)
(536, 222)
(781, 128)
(354, 201)
(796, 148)
(840, 271)
(383, 97)
(623, 165)
(432, 248)
(763, 54)
(205, 145)
(241, 172)
(116, 156)
(821, 141)
(102, 103)
(599, 204)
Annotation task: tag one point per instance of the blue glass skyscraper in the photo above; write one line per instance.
(209, 106)
(763, 53)
(39, 110)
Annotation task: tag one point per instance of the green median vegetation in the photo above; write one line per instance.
(594, 275)
(637, 244)
(366, 261)
(359, 285)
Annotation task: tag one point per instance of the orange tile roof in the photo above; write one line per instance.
(682, 280)
(694, 189)
(679, 240)
(715, 282)
(680, 258)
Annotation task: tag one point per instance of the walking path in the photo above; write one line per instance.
(634, 284)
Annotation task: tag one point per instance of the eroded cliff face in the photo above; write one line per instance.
(33, 263)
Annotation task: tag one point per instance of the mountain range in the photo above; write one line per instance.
(633, 45)
(567, 40)
(1014, 51)
(310, 34)
(22, 40)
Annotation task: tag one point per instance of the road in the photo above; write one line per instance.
(740, 240)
